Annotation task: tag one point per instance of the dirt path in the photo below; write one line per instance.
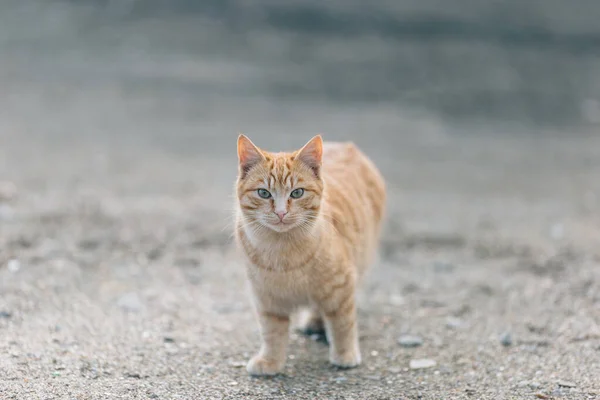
(117, 160)
(118, 280)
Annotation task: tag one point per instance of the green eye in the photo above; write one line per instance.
(264, 193)
(297, 193)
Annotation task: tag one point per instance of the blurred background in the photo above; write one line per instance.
(118, 124)
(532, 64)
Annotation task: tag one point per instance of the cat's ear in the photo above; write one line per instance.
(248, 155)
(312, 154)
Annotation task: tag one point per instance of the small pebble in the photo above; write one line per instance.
(168, 339)
(542, 396)
(5, 314)
(234, 383)
(453, 322)
(14, 265)
(534, 385)
(237, 364)
(529, 384)
(506, 339)
(410, 341)
(566, 384)
(422, 363)
(340, 379)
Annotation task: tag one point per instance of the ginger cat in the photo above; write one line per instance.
(308, 223)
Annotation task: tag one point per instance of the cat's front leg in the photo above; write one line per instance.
(342, 332)
(274, 332)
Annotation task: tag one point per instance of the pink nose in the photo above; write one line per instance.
(281, 214)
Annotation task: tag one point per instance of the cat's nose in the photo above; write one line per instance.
(281, 214)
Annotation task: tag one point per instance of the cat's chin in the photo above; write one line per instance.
(281, 227)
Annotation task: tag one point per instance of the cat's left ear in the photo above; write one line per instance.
(312, 154)
(248, 154)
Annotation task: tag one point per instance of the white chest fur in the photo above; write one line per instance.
(279, 291)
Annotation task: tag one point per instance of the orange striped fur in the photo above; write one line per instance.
(308, 223)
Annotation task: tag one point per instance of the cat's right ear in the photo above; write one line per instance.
(248, 155)
(311, 154)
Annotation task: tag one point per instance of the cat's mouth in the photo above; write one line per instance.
(279, 222)
(281, 226)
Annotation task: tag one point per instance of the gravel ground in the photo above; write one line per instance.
(118, 279)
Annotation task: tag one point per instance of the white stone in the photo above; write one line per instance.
(422, 363)
(14, 265)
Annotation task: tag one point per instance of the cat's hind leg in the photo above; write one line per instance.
(310, 322)
(339, 312)
(341, 327)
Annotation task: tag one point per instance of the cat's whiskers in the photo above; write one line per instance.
(254, 225)
(324, 219)
(233, 215)
(305, 226)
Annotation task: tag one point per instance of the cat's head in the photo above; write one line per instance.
(279, 191)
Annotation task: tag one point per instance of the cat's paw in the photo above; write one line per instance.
(348, 359)
(259, 366)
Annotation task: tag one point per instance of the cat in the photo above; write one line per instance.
(308, 223)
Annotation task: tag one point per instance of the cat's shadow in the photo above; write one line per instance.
(318, 336)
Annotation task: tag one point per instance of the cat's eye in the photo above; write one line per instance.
(297, 193)
(264, 193)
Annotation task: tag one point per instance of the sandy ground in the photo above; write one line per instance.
(118, 279)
